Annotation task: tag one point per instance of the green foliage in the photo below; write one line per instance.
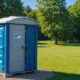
(27, 10)
(75, 9)
(74, 12)
(51, 15)
(58, 22)
(32, 14)
(11, 8)
(1, 8)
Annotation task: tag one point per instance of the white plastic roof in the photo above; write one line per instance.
(18, 20)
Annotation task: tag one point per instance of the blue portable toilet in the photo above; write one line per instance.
(18, 45)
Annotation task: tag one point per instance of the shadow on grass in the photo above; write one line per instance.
(40, 43)
(70, 44)
(65, 76)
(44, 46)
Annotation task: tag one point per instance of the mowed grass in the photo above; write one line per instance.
(62, 60)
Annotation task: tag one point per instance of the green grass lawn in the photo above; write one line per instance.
(62, 60)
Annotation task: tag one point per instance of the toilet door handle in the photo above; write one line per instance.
(23, 47)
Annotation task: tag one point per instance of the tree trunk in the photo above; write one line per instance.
(65, 40)
(70, 39)
(52, 39)
(56, 40)
(56, 37)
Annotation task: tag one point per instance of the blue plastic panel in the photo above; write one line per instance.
(31, 48)
(1, 47)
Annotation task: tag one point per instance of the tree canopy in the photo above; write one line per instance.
(51, 15)
(11, 8)
(1, 8)
(74, 12)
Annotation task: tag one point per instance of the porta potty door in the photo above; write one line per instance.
(17, 50)
(31, 48)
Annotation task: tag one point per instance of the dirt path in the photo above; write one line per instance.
(38, 75)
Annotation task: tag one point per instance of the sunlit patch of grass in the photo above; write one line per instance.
(59, 58)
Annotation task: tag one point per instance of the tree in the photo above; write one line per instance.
(51, 15)
(32, 14)
(27, 10)
(74, 11)
(1, 8)
(13, 8)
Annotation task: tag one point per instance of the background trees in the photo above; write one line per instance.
(58, 21)
(74, 12)
(1, 8)
(51, 15)
(11, 8)
(27, 10)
